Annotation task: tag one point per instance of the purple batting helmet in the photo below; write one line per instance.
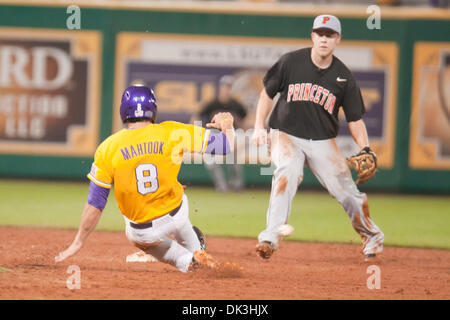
(138, 102)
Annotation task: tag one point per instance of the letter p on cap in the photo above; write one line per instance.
(325, 19)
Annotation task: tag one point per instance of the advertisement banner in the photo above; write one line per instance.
(184, 72)
(49, 91)
(430, 115)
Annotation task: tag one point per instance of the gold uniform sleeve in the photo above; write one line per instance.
(101, 173)
(193, 139)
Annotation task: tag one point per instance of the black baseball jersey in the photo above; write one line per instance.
(310, 97)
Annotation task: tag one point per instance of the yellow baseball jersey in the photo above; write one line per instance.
(143, 164)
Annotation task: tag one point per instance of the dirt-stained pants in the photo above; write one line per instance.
(171, 239)
(289, 155)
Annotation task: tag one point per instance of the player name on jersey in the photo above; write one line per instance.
(312, 92)
(140, 149)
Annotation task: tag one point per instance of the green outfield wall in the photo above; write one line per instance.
(59, 100)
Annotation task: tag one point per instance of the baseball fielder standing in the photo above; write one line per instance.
(143, 161)
(313, 85)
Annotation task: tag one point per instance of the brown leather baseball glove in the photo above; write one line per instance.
(364, 163)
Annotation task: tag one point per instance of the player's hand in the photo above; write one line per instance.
(259, 137)
(74, 247)
(221, 121)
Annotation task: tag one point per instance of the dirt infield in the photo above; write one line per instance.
(296, 271)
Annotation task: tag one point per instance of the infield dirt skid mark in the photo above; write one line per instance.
(223, 270)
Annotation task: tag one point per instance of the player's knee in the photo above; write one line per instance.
(350, 205)
(287, 182)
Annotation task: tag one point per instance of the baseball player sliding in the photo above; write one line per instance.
(313, 85)
(143, 161)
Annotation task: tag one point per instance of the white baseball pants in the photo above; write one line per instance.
(171, 239)
(289, 155)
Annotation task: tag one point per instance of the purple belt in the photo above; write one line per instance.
(149, 224)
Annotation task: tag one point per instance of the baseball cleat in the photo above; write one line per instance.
(141, 256)
(265, 249)
(373, 245)
(203, 259)
(201, 237)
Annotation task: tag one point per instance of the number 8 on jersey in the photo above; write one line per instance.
(146, 178)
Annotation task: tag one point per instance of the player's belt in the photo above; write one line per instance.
(149, 224)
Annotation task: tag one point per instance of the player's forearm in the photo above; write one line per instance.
(263, 108)
(89, 219)
(359, 133)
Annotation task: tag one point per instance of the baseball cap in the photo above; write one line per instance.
(326, 21)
